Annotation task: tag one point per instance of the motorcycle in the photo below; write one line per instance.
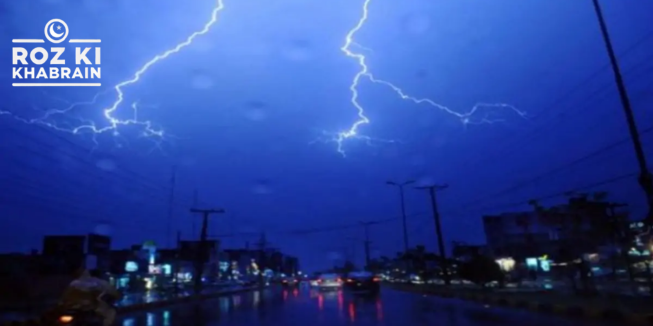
(79, 317)
(82, 316)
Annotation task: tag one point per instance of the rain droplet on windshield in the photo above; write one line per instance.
(261, 188)
(202, 82)
(255, 111)
(425, 180)
(106, 165)
(297, 50)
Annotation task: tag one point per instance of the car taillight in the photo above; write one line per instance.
(339, 280)
(319, 280)
(376, 279)
(65, 319)
(349, 280)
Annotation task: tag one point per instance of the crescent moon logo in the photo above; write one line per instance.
(53, 33)
(50, 32)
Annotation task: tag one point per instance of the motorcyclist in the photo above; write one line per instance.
(88, 292)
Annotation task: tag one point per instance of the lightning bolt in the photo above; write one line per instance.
(112, 124)
(364, 73)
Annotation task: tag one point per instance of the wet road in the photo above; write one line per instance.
(275, 307)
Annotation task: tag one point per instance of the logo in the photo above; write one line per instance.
(53, 66)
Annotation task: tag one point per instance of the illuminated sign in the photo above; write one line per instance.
(154, 269)
(131, 266)
(167, 269)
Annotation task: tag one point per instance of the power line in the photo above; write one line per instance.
(528, 138)
(119, 172)
(538, 131)
(588, 186)
(330, 228)
(556, 170)
(552, 195)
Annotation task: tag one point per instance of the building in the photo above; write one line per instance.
(241, 262)
(463, 252)
(517, 234)
(146, 266)
(249, 262)
(581, 225)
(67, 253)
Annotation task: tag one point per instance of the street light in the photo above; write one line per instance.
(403, 207)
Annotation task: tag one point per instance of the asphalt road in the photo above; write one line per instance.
(276, 307)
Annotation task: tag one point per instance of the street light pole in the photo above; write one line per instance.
(403, 208)
(366, 243)
(645, 179)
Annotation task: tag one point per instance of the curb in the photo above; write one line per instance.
(142, 306)
(176, 301)
(578, 311)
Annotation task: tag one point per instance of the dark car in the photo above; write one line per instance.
(290, 282)
(363, 282)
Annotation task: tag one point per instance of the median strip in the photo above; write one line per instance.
(635, 311)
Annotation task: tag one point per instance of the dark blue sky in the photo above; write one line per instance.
(243, 105)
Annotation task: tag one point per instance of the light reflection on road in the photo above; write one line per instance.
(275, 307)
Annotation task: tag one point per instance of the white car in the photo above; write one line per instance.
(329, 282)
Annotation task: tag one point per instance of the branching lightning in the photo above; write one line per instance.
(112, 124)
(466, 118)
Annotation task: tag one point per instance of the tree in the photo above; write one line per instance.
(418, 259)
(481, 270)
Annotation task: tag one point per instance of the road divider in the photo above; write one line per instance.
(144, 306)
(633, 311)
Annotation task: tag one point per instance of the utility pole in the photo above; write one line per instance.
(262, 245)
(177, 262)
(367, 242)
(645, 179)
(403, 207)
(351, 257)
(171, 206)
(201, 250)
(195, 204)
(438, 229)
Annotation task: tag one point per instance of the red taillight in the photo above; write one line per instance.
(339, 280)
(349, 280)
(376, 279)
(319, 280)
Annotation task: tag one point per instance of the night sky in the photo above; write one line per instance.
(250, 110)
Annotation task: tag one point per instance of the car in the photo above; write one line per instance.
(363, 282)
(290, 282)
(329, 282)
